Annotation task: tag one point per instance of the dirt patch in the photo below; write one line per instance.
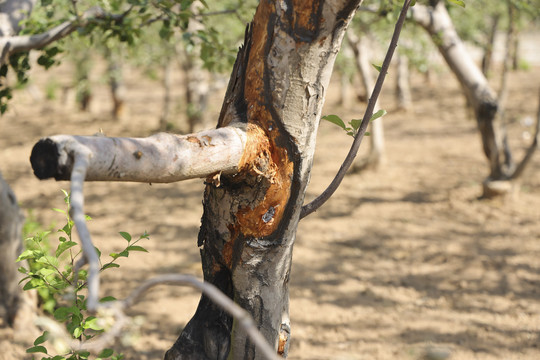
(401, 263)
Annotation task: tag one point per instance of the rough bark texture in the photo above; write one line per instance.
(483, 99)
(276, 92)
(11, 222)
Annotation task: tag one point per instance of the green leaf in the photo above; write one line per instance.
(106, 353)
(41, 339)
(377, 67)
(62, 313)
(125, 235)
(83, 354)
(355, 124)
(107, 298)
(367, 133)
(378, 114)
(77, 332)
(46, 272)
(110, 265)
(36, 349)
(27, 254)
(136, 248)
(64, 246)
(32, 284)
(120, 254)
(335, 120)
(58, 357)
(458, 2)
(92, 323)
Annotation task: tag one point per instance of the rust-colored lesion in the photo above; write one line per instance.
(269, 163)
(305, 16)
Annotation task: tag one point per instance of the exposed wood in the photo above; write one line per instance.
(277, 87)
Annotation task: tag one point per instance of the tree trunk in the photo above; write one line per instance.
(164, 119)
(249, 223)
(16, 307)
(255, 189)
(361, 54)
(197, 78)
(488, 50)
(11, 14)
(117, 86)
(403, 84)
(482, 98)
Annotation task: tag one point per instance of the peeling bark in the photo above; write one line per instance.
(249, 223)
(257, 166)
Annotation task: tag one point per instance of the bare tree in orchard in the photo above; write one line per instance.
(256, 165)
(487, 106)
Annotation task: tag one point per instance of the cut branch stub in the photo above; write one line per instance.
(160, 158)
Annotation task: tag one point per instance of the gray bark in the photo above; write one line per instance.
(403, 84)
(473, 82)
(250, 220)
(11, 14)
(252, 202)
(11, 222)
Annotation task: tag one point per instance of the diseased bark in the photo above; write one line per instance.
(249, 222)
(254, 192)
(376, 156)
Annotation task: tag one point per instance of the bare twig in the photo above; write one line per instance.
(14, 44)
(78, 174)
(329, 191)
(115, 310)
(240, 315)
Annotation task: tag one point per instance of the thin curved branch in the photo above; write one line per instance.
(13, 44)
(78, 174)
(329, 191)
(116, 310)
(213, 293)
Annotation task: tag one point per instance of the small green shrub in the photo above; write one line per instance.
(61, 291)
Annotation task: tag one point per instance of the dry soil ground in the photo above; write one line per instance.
(400, 263)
